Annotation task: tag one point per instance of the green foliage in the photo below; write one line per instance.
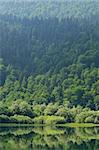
(46, 9)
(49, 120)
(88, 117)
(49, 62)
(51, 109)
(21, 107)
(20, 119)
(4, 119)
(39, 109)
(4, 110)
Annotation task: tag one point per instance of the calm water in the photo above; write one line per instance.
(47, 138)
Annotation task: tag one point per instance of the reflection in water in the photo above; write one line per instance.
(47, 138)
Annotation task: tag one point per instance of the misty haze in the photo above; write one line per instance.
(49, 74)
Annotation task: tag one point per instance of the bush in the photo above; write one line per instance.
(49, 120)
(39, 120)
(21, 107)
(4, 119)
(80, 118)
(21, 119)
(88, 117)
(51, 109)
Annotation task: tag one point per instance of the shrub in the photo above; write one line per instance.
(4, 119)
(90, 119)
(80, 118)
(21, 119)
(49, 120)
(51, 109)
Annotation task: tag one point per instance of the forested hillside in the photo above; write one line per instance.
(49, 61)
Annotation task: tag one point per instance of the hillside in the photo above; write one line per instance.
(50, 8)
(49, 59)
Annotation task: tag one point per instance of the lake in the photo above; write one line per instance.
(49, 138)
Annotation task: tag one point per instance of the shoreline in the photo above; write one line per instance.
(71, 125)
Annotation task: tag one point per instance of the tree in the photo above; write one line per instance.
(21, 107)
(51, 109)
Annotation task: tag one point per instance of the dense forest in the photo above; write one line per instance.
(49, 61)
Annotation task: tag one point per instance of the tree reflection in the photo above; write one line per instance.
(48, 138)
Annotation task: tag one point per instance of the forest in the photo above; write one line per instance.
(49, 61)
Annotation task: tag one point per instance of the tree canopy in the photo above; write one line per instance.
(49, 59)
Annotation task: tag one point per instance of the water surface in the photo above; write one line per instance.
(48, 138)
